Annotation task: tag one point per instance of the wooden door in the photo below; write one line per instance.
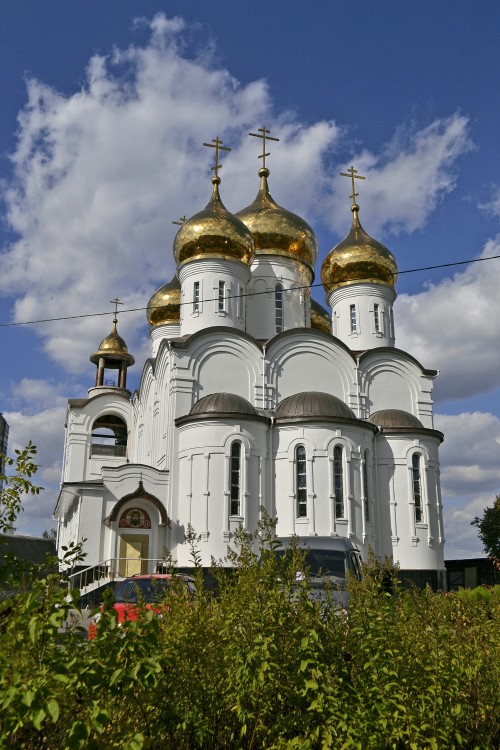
(134, 551)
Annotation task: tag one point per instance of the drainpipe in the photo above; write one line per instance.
(357, 388)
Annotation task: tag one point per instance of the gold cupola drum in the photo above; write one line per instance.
(358, 258)
(164, 307)
(112, 354)
(275, 230)
(359, 277)
(213, 232)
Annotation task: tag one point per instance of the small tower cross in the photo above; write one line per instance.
(353, 174)
(181, 221)
(217, 145)
(265, 137)
(116, 302)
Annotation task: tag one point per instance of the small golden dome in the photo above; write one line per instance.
(358, 259)
(275, 230)
(112, 347)
(213, 233)
(320, 318)
(164, 307)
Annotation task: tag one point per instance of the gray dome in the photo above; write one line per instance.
(223, 403)
(313, 404)
(395, 418)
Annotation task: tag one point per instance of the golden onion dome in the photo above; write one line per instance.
(164, 307)
(275, 230)
(213, 233)
(112, 347)
(320, 318)
(358, 259)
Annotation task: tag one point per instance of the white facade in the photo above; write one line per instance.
(244, 406)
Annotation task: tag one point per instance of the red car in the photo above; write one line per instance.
(147, 590)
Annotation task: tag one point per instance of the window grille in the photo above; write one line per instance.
(278, 304)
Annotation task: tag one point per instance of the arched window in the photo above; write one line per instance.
(417, 486)
(109, 436)
(236, 479)
(301, 481)
(278, 306)
(338, 481)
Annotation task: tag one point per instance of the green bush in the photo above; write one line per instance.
(260, 665)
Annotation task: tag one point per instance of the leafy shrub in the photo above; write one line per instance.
(260, 665)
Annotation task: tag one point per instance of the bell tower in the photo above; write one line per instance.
(112, 354)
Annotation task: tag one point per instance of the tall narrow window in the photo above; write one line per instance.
(376, 318)
(354, 322)
(278, 305)
(236, 479)
(392, 323)
(366, 490)
(301, 481)
(338, 481)
(417, 486)
(196, 297)
(222, 296)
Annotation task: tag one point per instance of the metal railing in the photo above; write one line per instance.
(101, 449)
(116, 568)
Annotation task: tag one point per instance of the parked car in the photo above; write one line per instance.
(327, 562)
(143, 590)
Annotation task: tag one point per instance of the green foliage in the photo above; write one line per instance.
(489, 530)
(16, 485)
(260, 665)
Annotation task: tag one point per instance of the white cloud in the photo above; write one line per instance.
(36, 393)
(451, 325)
(492, 206)
(100, 174)
(408, 179)
(470, 476)
(46, 430)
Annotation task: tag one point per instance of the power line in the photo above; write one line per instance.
(245, 294)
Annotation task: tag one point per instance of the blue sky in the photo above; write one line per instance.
(104, 109)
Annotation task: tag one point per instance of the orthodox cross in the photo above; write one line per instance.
(217, 145)
(116, 302)
(265, 137)
(353, 174)
(181, 221)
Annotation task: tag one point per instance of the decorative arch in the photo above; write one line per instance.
(138, 494)
(109, 436)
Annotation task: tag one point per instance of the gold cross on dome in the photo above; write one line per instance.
(181, 221)
(116, 302)
(263, 133)
(217, 145)
(353, 174)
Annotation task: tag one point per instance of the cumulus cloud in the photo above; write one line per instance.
(470, 476)
(46, 430)
(406, 181)
(100, 174)
(449, 324)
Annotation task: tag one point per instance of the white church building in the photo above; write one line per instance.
(256, 397)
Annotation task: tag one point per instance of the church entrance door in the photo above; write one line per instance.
(134, 552)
